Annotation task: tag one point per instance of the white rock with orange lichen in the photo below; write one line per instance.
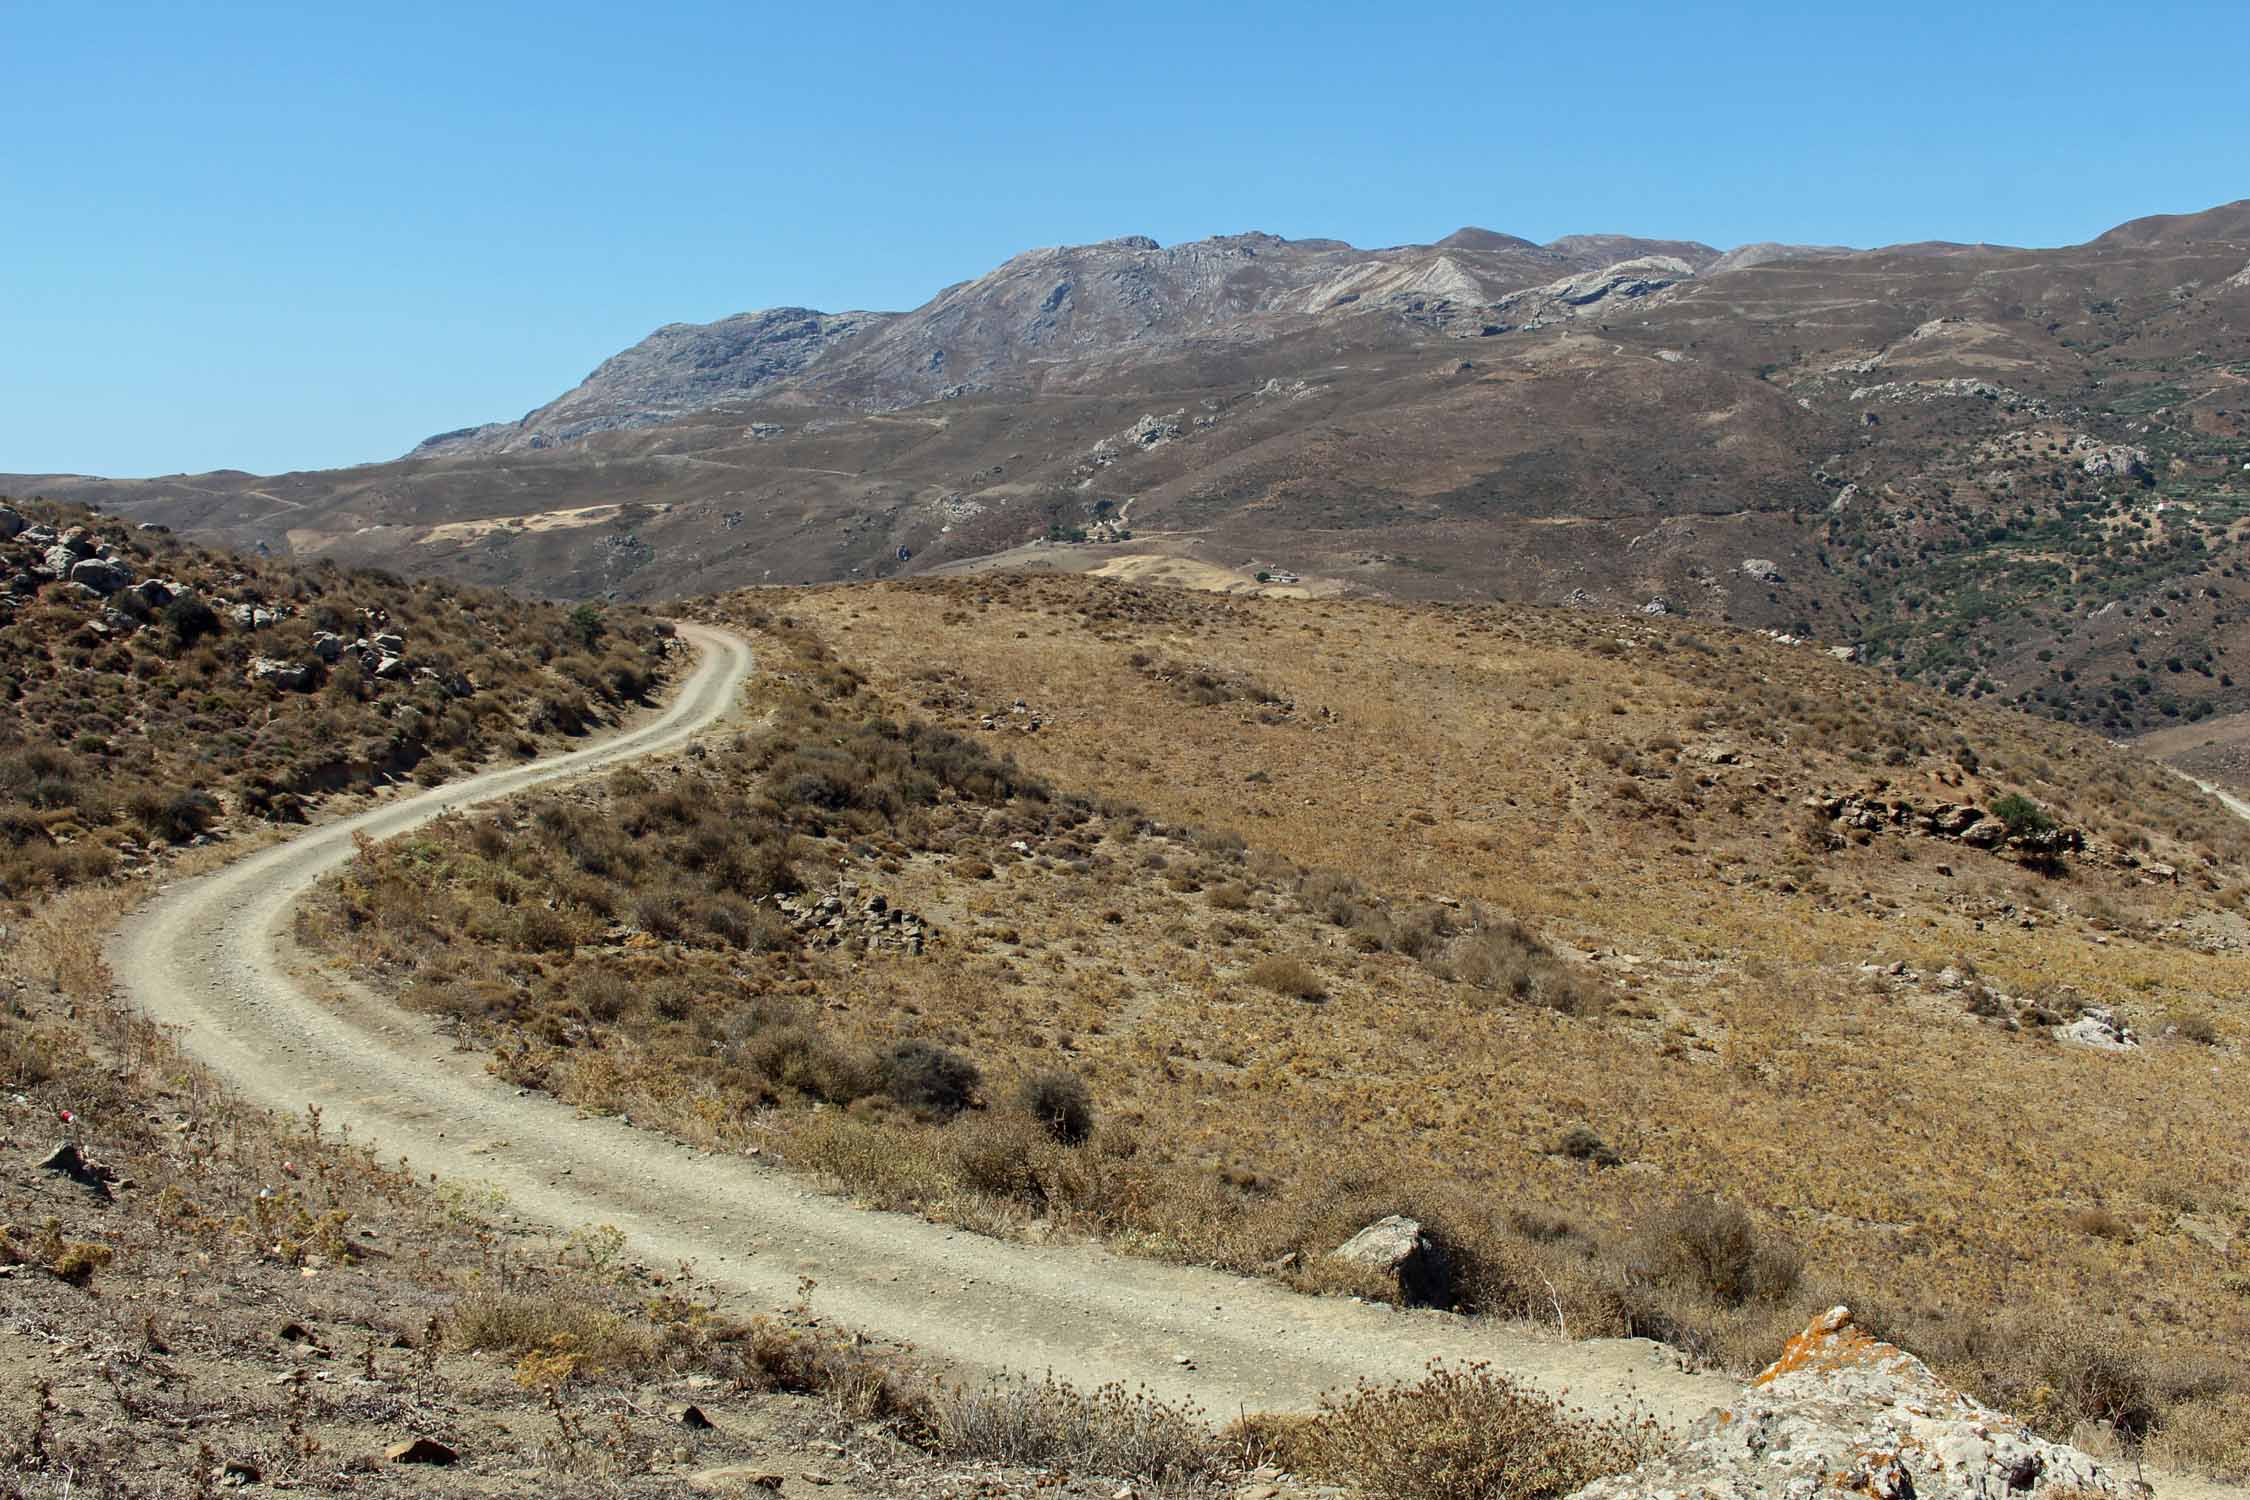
(1843, 1413)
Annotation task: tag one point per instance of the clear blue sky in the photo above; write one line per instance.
(281, 236)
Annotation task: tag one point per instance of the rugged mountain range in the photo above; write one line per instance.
(1073, 318)
(2016, 473)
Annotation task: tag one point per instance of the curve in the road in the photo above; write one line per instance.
(208, 956)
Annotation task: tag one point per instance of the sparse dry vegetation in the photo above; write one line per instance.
(1503, 933)
(127, 730)
(1459, 1434)
(1637, 1064)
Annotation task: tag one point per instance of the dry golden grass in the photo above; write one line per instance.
(1628, 792)
(1570, 978)
(245, 1250)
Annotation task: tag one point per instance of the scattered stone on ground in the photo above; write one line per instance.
(2099, 1028)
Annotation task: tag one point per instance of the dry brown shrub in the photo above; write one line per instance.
(1461, 1434)
(553, 1321)
(2100, 1224)
(1712, 1248)
(1061, 1103)
(1051, 1425)
(1284, 975)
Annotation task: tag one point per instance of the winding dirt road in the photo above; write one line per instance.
(210, 957)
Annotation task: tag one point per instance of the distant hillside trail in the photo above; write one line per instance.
(211, 956)
(2227, 799)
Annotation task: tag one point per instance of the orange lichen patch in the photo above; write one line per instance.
(1829, 1343)
(1878, 1474)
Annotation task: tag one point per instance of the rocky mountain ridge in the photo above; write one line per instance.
(1060, 314)
(2016, 474)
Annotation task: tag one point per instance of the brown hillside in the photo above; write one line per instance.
(1552, 930)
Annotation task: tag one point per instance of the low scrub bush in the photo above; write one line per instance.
(1048, 1424)
(1061, 1103)
(1461, 1434)
(924, 1076)
(1291, 977)
(1712, 1248)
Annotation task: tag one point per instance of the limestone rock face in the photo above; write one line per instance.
(289, 676)
(2117, 462)
(1842, 1412)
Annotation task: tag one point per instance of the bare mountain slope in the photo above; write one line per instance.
(1067, 316)
(682, 367)
(2016, 474)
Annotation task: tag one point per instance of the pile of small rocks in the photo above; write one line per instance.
(845, 917)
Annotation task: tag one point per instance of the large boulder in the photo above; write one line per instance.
(1843, 1413)
(153, 594)
(2117, 462)
(1398, 1248)
(289, 676)
(101, 575)
(11, 524)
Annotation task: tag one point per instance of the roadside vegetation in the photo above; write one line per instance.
(1534, 929)
(130, 728)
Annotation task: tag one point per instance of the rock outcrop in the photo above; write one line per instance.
(1843, 1413)
(2099, 1028)
(2117, 461)
(1055, 315)
(289, 676)
(1958, 822)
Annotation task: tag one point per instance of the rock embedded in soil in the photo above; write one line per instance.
(420, 1450)
(67, 1160)
(1397, 1247)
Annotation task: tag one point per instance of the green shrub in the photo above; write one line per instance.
(176, 817)
(2024, 817)
(190, 619)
